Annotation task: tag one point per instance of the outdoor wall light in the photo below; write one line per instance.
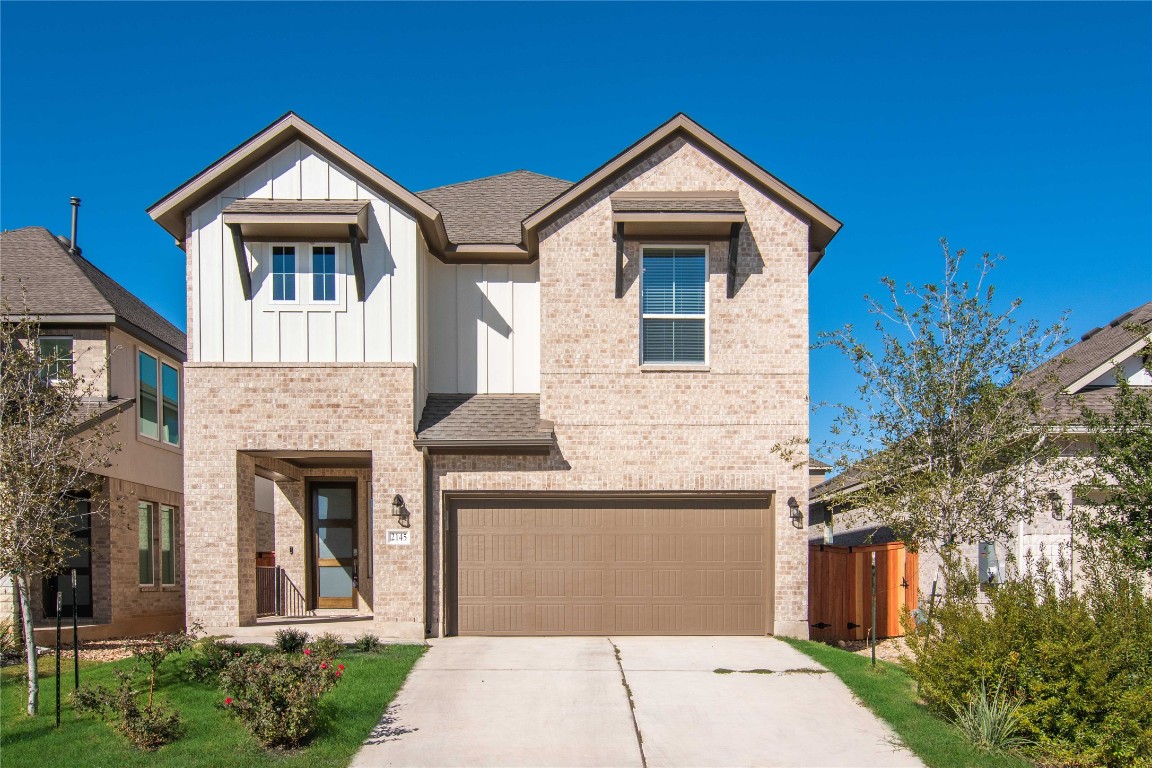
(794, 513)
(400, 511)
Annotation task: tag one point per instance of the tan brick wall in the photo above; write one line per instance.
(623, 429)
(234, 408)
(119, 602)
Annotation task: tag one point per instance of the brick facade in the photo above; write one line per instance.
(235, 411)
(618, 428)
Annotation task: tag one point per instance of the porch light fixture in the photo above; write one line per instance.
(794, 513)
(400, 511)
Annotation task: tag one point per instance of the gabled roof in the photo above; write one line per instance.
(823, 225)
(61, 286)
(1100, 350)
(490, 210)
(170, 210)
(494, 217)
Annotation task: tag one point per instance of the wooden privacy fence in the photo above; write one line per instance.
(840, 590)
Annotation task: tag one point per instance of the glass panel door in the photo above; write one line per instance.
(334, 544)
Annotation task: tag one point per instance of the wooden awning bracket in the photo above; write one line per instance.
(242, 260)
(357, 260)
(620, 260)
(733, 255)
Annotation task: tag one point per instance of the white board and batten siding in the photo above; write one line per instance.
(483, 328)
(226, 328)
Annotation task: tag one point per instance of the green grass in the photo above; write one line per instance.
(212, 737)
(890, 693)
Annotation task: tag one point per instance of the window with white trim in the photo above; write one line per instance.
(674, 305)
(144, 543)
(55, 357)
(324, 273)
(167, 544)
(283, 273)
(158, 399)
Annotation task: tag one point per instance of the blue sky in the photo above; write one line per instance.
(1023, 129)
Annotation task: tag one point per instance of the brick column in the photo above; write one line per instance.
(398, 588)
(245, 547)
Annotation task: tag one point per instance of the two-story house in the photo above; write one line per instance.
(129, 567)
(515, 405)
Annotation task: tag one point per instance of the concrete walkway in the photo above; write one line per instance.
(564, 701)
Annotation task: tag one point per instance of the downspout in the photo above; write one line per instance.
(429, 574)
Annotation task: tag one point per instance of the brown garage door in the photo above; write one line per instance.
(629, 566)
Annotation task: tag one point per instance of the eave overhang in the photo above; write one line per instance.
(822, 226)
(171, 210)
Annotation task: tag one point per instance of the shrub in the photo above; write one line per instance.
(277, 696)
(291, 640)
(211, 656)
(147, 728)
(159, 647)
(11, 649)
(368, 643)
(327, 646)
(1078, 660)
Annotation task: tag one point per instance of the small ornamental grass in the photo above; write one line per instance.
(277, 696)
(991, 722)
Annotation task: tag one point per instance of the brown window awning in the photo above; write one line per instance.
(695, 214)
(342, 221)
(299, 219)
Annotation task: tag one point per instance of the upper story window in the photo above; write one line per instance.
(324, 273)
(55, 357)
(283, 273)
(674, 305)
(158, 399)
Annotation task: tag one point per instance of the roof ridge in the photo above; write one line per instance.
(494, 176)
(127, 293)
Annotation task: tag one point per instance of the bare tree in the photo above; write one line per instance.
(51, 451)
(948, 442)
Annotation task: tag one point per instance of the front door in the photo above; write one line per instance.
(334, 544)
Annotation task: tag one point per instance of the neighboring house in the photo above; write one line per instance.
(130, 571)
(515, 405)
(1082, 376)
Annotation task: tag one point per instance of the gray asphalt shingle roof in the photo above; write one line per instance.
(296, 206)
(456, 418)
(58, 282)
(658, 204)
(490, 210)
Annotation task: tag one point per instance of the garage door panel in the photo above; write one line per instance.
(594, 566)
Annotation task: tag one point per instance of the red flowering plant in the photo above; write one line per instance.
(278, 696)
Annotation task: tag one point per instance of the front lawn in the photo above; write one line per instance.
(891, 694)
(212, 738)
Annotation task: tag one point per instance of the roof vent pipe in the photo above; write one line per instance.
(75, 216)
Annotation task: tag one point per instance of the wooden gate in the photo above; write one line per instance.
(840, 590)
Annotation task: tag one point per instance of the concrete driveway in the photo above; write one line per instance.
(564, 701)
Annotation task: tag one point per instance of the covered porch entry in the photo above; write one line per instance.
(312, 558)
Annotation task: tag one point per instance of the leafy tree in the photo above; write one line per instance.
(48, 456)
(944, 445)
(1119, 508)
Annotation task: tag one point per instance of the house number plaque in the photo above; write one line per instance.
(399, 536)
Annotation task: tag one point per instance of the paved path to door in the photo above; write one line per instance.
(564, 701)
